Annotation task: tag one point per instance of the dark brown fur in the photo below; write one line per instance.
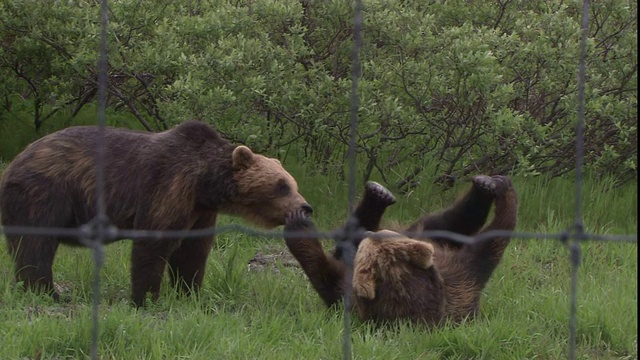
(425, 280)
(174, 180)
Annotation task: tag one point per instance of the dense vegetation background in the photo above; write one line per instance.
(448, 88)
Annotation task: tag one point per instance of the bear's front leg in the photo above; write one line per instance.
(148, 261)
(187, 263)
(325, 273)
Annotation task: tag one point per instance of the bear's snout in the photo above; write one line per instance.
(307, 209)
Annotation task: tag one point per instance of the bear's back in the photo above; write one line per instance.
(138, 167)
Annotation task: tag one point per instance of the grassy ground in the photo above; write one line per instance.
(271, 312)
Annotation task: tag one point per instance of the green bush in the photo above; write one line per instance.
(448, 88)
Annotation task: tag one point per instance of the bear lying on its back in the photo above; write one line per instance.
(174, 180)
(396, 277)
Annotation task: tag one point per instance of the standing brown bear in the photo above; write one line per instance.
(425, 280)
(174, 180)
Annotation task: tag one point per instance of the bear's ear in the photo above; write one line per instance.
(364, 281)
(242, 157)
(420, 254)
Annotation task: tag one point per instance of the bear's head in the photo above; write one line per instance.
(387, 257)
(395, 277)
(265, 191)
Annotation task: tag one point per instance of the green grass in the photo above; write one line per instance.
(273, 313)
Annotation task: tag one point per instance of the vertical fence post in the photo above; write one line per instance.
(99, 226)
(574, 244)
(574, 247)
(350, 230)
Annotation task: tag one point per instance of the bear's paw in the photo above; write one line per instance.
(496, 185)
(379, 193)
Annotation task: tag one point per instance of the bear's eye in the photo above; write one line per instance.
(282, 188)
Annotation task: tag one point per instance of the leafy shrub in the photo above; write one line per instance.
(447, 89)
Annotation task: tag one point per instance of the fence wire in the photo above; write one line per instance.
(98, 231)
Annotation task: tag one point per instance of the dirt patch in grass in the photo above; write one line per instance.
(261, 261)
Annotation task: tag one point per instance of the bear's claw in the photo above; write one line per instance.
(296, 215)
(297, 220)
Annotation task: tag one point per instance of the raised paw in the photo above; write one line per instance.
(500, 184)
(297, 220)
(493, 185)
(483, 183)
(379, 193)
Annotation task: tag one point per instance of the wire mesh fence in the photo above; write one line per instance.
(100, 231)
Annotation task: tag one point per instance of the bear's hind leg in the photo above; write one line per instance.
(32, 200)
(466, 216)
(484, 257)
(33, 256)
(374, 202)
(367, 214)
